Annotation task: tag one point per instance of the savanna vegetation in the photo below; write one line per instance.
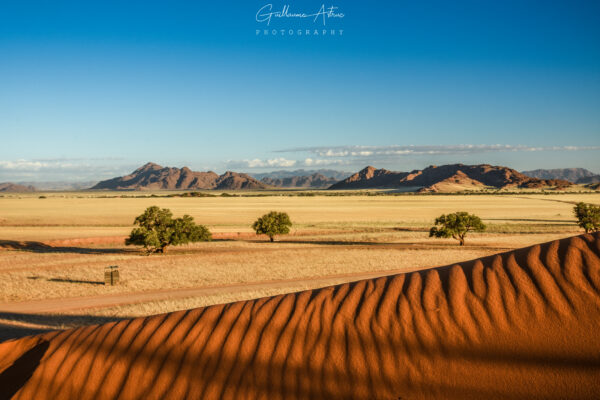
(588, 216)
(157, 229)
(272, 224)
(456, 225)
(57, 248)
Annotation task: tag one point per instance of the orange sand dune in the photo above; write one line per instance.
(518, 325)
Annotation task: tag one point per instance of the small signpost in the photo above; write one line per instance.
(111, 275)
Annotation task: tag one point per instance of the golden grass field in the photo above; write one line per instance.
(57, 247)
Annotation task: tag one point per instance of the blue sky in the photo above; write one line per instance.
(92, 89)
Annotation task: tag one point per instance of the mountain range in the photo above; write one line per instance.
(446, 178)
(443, 179)
(13, 187)
(155, 177)
(281, 174)
(314, 181)
(589, 179)
(59, 185)
(576, 175)
(152, 176)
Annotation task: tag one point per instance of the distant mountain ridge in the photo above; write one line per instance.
(13, 187)
(281, 174)
(589, 179)
(152, 176)
(314, 181)
(446, 178)
(59, 185)
(569, 174)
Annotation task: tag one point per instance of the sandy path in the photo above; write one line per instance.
(110, 300)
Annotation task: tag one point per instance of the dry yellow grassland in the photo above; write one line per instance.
(332, 236)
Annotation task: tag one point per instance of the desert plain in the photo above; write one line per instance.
(55, 246)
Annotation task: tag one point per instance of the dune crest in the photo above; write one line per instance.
(522, 324)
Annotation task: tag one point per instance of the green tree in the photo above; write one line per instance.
(456, 225)
(273, 223)
(157, 229)
(588, 216)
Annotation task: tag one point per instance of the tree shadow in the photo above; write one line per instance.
(395, 245)
(408, 229)
(346, 243)
(556, 221)
(39, 247)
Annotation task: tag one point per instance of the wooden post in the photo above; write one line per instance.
(111, 275)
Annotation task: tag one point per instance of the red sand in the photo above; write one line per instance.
(518, 325)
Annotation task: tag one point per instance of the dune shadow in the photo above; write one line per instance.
(17, 325)
(344, 243)
(8, 331)
(39, 247)
(15, 376)
(209, 362)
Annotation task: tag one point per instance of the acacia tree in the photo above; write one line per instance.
(157, 229)
(273, 223)
(588, 216)
(456, 225)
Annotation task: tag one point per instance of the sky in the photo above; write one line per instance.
(93, 89)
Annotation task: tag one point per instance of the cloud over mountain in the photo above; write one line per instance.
(403, 150)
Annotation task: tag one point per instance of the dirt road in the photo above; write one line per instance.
(110, 300)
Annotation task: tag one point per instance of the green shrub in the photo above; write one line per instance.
(588, 216)
(456, 225)
(273, 223)
(157, 229)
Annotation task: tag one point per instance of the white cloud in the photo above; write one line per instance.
(310, 162)
(332, 153)
(22, 165)
(258, 163)
(398, 150)
(281, 162)
(60, 169)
